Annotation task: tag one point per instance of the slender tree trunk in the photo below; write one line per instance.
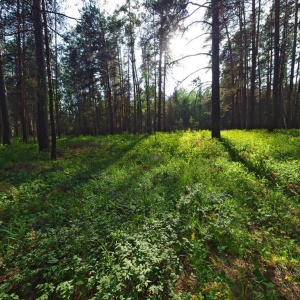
(160, 75)
(128, 106)
(122, 96)
(242, 66)
(50, 85)
(109, 101)
(147, 89)
(260, 116)
(1, 127)
(164, 93)
(6, 129)
(293, 60)
(233, 121)
(132, 58)
(282, 74)
(259, 112)
(215, 98)
(245, 55)
(42, 101)
(57, 110)
(251, 99)
(21, 77)
(269, 80)
(139, 103)
(155, 80)
(25, 111)
(276, 96)
(296, 109)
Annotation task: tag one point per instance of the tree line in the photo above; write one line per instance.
(108, 73)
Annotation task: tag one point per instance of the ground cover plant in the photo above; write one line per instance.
(162, 216)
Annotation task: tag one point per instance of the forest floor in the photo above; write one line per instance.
(165, 216)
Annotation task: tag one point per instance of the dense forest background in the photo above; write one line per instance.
(108, 73)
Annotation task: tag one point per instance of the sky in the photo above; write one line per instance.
(192, 42)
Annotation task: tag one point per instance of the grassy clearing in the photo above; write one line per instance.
(166, 216)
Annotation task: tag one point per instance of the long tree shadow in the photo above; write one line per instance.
(259, 169)
(58, 180)
(114, 153)
(94, 156)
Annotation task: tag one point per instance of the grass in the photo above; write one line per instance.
(165, 216)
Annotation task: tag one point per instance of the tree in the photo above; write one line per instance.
(7, 134)
(254, 45)
(291, 93)
(42, 99)
(21, 67)
(276, 96)
(215, 96)
(50, 85)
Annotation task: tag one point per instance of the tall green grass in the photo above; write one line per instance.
(164, 216)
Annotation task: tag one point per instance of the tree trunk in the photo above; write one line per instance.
(147, 89)
(242, 92)
(164, 93)
(109, 101)
(282, 75)
(57, 110)
(244, 54)
(122, 90)
(215, 97)
(251, 99)
(276, 96)
(50, 86)
(20, 83)
(160, 75)
(42, 101)
(269, 80)
(6, 129)
(293, 60)
(134, 91)
(232, 92)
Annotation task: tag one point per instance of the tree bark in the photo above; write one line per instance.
(293, 60)
(215, 97)
(232, 92)
(6, 129)
(20, 84)
(276, 96)
(57, 110)
(50, 85)
(251, 99)
(42, 100)
(160, 80)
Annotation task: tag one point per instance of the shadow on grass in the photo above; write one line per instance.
(88, 159)
(260, 170)
(30, 185)
(95, 163)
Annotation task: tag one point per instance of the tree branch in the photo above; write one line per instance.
(63, 15)
(55, 31)
(199, 5)
(196, 22)
(181, 81)
(198, 36)
(187, 56)
(183, 18)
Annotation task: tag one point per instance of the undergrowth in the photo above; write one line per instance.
(164, 216)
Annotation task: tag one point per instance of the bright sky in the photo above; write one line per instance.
(180, 46)
(191, 43)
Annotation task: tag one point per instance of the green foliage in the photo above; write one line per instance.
(165, 216)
